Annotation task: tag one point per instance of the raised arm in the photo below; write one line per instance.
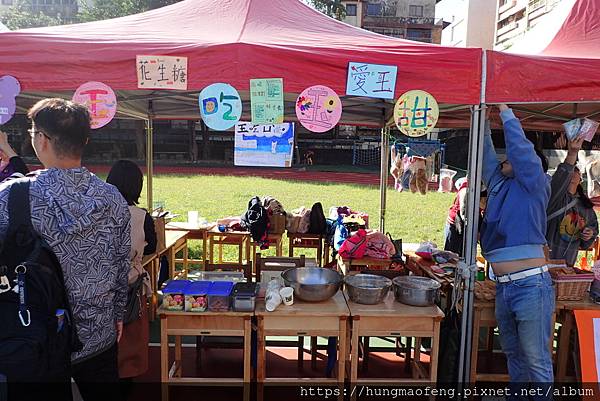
(562, 176)
(491, 167)
(520, 152)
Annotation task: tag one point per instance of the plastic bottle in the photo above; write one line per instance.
(272, 296)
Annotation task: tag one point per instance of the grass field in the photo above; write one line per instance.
(412, 217)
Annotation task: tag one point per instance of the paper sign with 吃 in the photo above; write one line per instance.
(371, 80)
(100, 100)
(266, 100)
(318, 108)
(269, 145)
(416, 113)
(9, 89)
(162, 72)
(220, 106)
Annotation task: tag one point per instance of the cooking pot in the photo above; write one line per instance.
(416, 291)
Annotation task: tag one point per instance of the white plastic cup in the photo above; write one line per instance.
(272, 300)
(193, 217)
(287, 295)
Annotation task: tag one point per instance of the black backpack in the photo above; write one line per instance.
(318, 223)
(35, 343)
(255, 220)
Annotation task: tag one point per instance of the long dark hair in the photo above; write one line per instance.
(584, 198)
(128, 178)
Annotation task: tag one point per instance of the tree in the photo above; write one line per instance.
(21, 16)
(332, 8)
(106, 9)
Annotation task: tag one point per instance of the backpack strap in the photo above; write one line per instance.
(562, 210)
(18, 205)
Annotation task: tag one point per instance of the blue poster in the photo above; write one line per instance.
(220, 106)
(371, 80)
(264, 145)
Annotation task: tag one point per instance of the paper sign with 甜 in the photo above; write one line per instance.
(318, 108)
(220, 106)
(100, 100)
(371, 80)
(266, 100)
(162, 72)
(416, 113)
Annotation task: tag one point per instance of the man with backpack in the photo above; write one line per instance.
(84, 224)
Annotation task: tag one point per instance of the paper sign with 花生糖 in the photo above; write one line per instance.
(416, 113)
(318, 108)
(162, 72)
(100, 100)
(220, 106)
(9, 89)
(266, 100)
(371, 80)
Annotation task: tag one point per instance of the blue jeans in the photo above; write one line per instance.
(524, 310)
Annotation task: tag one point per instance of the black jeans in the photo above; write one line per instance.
(98, 378)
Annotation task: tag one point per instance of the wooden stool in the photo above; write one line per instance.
(233, 238)
(310, 241)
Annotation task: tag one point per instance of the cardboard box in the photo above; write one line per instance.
(277, 222)
(159, 226)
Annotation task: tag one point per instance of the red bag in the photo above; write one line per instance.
(355, 246)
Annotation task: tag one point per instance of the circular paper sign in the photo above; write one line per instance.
(9, 89)
(100, 100)
(318, 108)
(416, 113)
(220, 106)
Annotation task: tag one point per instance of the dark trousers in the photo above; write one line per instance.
(98, 378)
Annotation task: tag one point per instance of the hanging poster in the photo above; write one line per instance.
(371, 80)
(416, 113)
(100, 100)
(9, 89)
(220, 106)
(264, 145)
(318, 108)
(266, 100)
(162, 72)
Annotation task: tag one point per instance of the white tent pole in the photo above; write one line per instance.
(476, 137)
(383, 177)
(149, 160)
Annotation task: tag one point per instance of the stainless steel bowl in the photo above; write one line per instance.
(367, 289)
(416, 291)
(312, 284)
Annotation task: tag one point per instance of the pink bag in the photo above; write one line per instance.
(354, 247)
(378, 245)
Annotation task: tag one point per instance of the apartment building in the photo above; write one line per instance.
(407, 19)
(515, 17)
(467, 23)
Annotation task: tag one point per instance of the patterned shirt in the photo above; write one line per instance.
(86, 222)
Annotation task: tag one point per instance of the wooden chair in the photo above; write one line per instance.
(275, 263)
(223, 342)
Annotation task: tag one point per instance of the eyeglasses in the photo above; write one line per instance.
(33, 132)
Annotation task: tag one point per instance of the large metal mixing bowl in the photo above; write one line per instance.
(367, 289)
(312, 284)
(416, 291)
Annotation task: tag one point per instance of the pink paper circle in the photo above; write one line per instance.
(100, 100)
(318, 108)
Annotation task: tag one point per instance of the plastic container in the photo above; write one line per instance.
(235, 277)
(446, 177)
(219, 296)
(196, 296)
(244, 296)
(173, 298)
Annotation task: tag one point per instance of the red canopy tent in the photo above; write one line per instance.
(563, 67)
(233, 41)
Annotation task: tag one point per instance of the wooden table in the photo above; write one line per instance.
(566, 316)
(241, 239)
(394, 319)
(345, 265)
(176, 241)
(195, 232)
(323, 319)
(206, 324)
(310, 241)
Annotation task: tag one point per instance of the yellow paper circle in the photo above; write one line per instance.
(416, 113)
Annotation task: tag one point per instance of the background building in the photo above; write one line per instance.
(467, 23)
(515, 17)
(407, 19)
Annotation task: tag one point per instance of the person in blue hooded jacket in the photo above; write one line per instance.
(513, 235)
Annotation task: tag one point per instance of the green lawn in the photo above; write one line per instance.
(412, 217)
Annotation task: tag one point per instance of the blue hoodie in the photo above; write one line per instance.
(514, 224)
